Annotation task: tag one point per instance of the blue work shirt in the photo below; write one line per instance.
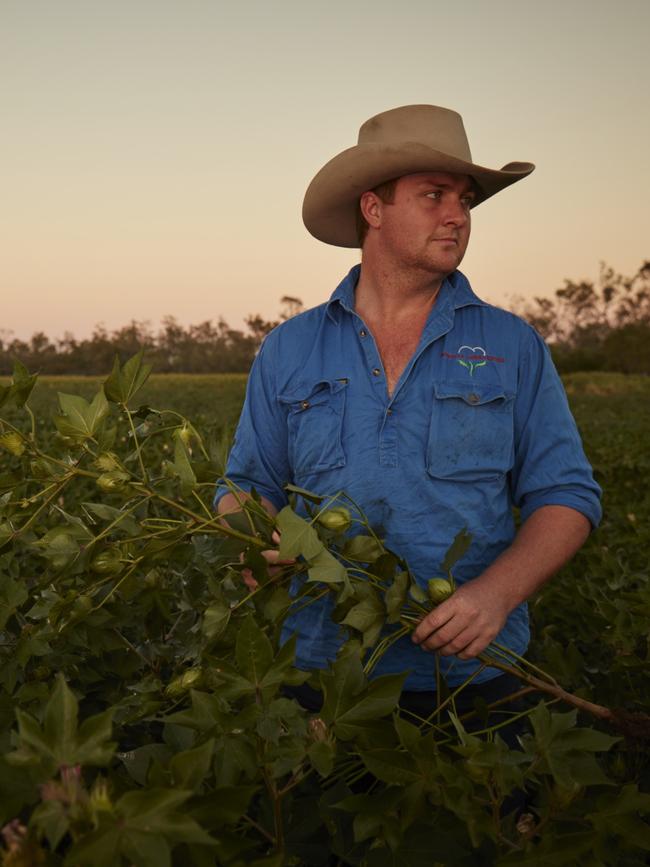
(477, 423)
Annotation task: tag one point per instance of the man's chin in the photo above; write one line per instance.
(445, 265)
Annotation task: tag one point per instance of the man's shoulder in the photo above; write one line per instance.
(293, 338)
(470, 307)
(301, 326)
(506, 321)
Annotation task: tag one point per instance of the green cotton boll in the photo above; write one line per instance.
(107, 562)
(107, 462)
(115, 480)
(439, 589)
(191, 678)
(13, 443)
(338, 519)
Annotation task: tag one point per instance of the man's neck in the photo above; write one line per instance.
(390, 295)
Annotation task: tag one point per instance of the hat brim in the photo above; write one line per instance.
(330, 206)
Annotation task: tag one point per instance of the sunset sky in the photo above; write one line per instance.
(154, 154)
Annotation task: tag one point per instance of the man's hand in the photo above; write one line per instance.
(272, 557)
(464, 624)
(474, 615)
(231, 503)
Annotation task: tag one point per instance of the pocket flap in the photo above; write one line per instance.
(473, 394)
(305, 396)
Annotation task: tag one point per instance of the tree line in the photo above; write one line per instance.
(596, 325)
(589, 325)
(208, 347)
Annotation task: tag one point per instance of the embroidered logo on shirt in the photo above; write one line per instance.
(472, 357)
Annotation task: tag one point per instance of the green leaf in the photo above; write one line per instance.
(321, 755)
(215, 619)
(145, 849)
(367, 616)
(12, 595)
(50, 817)
(277, 605)
(588, 739)
(560, 849)
(122, 520)
(626, 800)
(391, 766)
(395, 597)
(189, 768)
(634, 830)
(298, 537)
(100, 848)
(325, 568)
(281, 670)
(253, 652)
(80, 419)
(93, 742)
(20, 389)
(60, 722)
(58, 743)
(17, 789)
(349, 701)
(137, 762)
(225, 805)
(32, 745)
(457, 549)
(409, 734)
(123, 384)
(150, 807)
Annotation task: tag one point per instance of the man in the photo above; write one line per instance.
(431, 409)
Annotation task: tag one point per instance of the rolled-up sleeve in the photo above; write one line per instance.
(258, 458)
(550, 467)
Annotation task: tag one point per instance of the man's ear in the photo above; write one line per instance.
(371, 207)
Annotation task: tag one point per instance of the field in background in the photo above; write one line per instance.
(218, 397)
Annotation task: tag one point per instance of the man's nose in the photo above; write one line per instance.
(457, 211)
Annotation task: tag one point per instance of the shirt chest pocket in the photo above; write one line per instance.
(471, 432)
(314, 426)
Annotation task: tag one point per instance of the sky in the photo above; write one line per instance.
(154, 153)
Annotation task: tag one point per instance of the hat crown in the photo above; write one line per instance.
(431, 125)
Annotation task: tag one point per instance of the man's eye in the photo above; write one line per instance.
(434, 194)
(468, 201)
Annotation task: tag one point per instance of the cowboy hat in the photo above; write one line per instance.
(402, 141)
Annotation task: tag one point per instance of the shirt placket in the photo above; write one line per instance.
(440, 324)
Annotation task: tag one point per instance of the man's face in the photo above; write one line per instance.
(427, 226)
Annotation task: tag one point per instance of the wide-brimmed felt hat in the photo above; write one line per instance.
(402, 141)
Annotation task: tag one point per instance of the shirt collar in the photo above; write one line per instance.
(455, 293)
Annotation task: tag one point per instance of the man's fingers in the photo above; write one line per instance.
(273, 556)
(432, 622)
(474, 648)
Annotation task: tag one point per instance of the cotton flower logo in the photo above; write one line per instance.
(472, 359)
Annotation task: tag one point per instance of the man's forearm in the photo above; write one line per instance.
(545, 542)
(474, 615)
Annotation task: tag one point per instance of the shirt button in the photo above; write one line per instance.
(389, 411)
(363, 332)
(304, 404)
(376, 371)
(473, 398)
